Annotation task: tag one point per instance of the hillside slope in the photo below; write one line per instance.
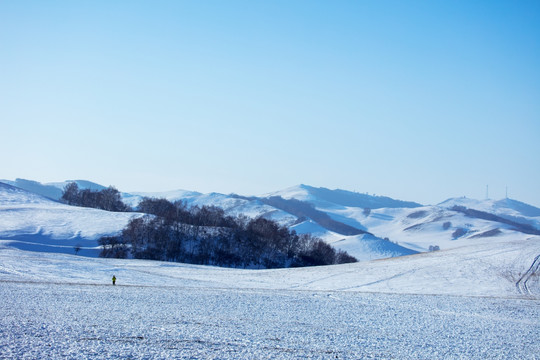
(33, 222)
(477, 270)
(367, 227)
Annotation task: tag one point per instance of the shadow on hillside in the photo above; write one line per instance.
(45, 243)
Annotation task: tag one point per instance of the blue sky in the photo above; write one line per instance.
(418, 100)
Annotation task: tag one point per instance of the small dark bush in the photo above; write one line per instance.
(417, 214)
(459, 233)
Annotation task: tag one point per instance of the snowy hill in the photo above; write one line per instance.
(53, 190)
(133, 199)
(477, 270)
(509, 209)
(368, 227)
(33, 222)
(325, 197)
(360, 244)
(453, 304)
(410, 225)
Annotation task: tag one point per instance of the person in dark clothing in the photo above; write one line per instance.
(114, 280)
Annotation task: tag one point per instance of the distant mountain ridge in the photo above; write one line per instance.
(366, 226)
(347, 198)
(53, 190)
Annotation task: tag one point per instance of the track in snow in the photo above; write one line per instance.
(521, 284)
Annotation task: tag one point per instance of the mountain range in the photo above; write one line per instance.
(366, 226)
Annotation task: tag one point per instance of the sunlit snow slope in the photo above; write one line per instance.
(33, 222)
(478, 257)
(418, 227)
(476, 270)
(368, 227)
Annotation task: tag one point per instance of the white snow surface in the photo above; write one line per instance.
(231, 204)
(506, 208)
(33, 222)
(456, 304)
(420, 228)
(477, 298)
(405, 232)
(298, 192)
(133, 199)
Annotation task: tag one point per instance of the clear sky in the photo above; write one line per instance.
(417, 100)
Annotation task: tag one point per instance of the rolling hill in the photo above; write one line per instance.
(33, 222)
(368, 227)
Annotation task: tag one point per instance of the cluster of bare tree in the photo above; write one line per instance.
(107, 199)
(205, 235)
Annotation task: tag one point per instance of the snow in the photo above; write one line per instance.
(33, 222)
(474, 270)
(419, 228)
(52, 190)
(104, 322)
(458, 304)
(477, 298)
(506, 208)
(233, 205)
(298, 192)
(133, 199)
(410, 234)
(323, 197)
(408, 229)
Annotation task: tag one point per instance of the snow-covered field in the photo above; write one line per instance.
(80, 321)
(476, 298)
(459, 304)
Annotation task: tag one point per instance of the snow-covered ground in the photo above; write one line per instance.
(476, 298)
(407, 226)
(66, 321)
(458, 305)
(426, 226)
(480, 270)
(33, 222)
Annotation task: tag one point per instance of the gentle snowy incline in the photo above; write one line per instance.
(399, 227)
(480, 270)
(36, 223)
(58, 306)
(509, 209)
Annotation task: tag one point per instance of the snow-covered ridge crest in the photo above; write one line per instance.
(372, 227)
(33, 222)
(510, 209)
(11, 195)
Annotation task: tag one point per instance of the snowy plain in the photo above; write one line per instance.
(459, 305)
(476, 298)
(67, 321)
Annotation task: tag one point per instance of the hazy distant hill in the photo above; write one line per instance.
(52, 191)
(342, 197)
(366, 226)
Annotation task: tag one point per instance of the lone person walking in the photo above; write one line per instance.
(114, 280)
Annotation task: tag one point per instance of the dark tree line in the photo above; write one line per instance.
(205, 235)
(107, 199)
